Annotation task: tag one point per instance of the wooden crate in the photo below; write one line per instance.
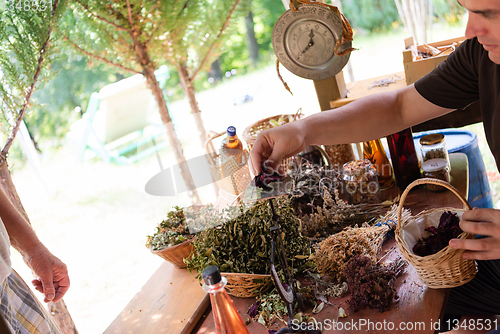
(415, 69)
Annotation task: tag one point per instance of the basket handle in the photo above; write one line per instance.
(209, 147)
(428, 180)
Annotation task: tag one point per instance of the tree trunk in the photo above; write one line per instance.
(175, 144)
(253, 46)
(149, 74)
(188, 88)
(59, 311)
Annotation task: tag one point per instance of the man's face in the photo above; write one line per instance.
(484, 23)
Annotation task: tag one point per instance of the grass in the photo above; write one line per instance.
(96, 216)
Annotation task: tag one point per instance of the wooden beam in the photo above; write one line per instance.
(330, 90)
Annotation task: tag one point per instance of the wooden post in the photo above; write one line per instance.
(330, 90)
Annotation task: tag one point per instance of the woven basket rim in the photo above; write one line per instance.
(246, 133)
(250, 275)
(171, 248)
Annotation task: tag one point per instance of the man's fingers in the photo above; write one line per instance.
(481, 228)
(48, 287)
(473, 244)
(483, 255)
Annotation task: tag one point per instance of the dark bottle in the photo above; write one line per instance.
(374, 151)
(404, 158)
(226, 317)
(232, 146)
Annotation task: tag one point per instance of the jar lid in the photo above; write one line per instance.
(432, 139)
(433, 165)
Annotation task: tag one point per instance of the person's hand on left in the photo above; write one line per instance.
(484, 222)
(53, 279)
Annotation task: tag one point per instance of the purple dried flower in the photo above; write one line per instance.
(447, 229)
(252, 312)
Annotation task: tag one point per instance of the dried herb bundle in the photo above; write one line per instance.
(334, 252)
(309, 183)
(171, 231)
(270, 307)
(243, 245)
(336, 214)
(447, 229)
(181, 224)
(370, 283)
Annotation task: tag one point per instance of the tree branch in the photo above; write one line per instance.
(101, 18)
(27, 99)
(224, 26)
(101, 58)
(129, 10)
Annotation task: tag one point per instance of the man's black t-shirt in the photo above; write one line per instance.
(468, 75)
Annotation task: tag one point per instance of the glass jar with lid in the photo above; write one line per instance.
(361, 182)
(435, 159)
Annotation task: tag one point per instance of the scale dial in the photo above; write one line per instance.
(304, 42)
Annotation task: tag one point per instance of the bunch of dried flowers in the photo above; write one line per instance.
(336, 214)
(335, 251)
(372, 284)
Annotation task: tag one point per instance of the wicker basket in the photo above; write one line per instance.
(247, 285)
(446, 268)
(250, 133)
(230, 175)
(176, 254)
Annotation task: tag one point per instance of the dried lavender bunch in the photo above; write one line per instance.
(336, 214)
(370, 283)
(447, 229)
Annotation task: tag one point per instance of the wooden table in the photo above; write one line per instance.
(172, 301)
(418, 308)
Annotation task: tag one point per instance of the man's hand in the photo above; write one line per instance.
(485, 222)
(53, 279)
(277, 144)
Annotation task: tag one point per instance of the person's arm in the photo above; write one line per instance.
(484, 222)
(53, 279)
(368, 118)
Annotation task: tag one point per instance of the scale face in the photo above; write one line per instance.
(304, 42)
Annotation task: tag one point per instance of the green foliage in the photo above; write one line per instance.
(448, 10)
(370, 15)
(23, 33)
(242, 244)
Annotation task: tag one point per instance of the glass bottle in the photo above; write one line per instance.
(374, 151)
(435, 159)
(232, 146)
(226, 317)
(361, 182)
(404, 158)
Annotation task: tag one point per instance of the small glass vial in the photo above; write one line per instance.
(361, 182)
(226, 317)
(435, 159)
